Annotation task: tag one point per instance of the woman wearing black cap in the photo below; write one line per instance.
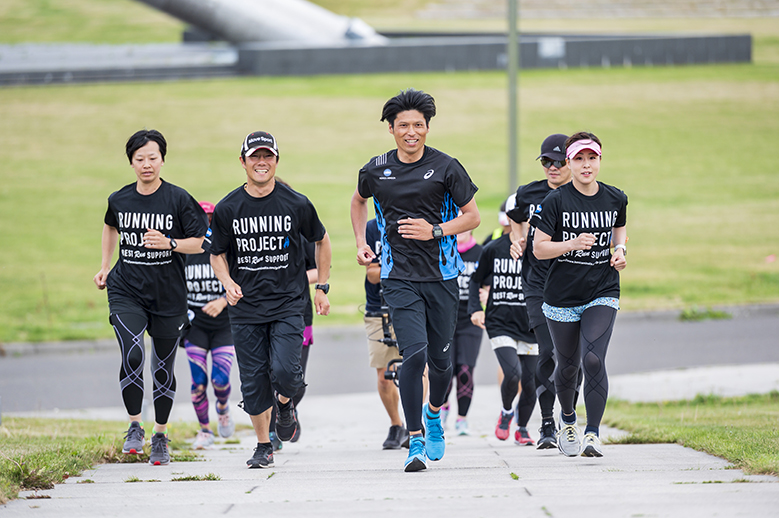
(530, 196)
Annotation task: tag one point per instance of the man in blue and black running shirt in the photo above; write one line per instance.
(417, 192)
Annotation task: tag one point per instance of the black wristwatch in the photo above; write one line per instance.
(324, 287)
(438, 232)
(173, 244)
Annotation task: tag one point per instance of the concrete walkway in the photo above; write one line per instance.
(338, 468)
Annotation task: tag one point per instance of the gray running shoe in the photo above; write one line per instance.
(160, 456)
(396, 436)
(569, 440)
(262, 458)
(225, 424)
(548, 437)
(592, 446)
(134, 439)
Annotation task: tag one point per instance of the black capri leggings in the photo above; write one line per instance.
(129, 328)
(518, 369)
(583, 343)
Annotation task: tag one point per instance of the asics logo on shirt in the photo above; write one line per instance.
(429, 173)
(446, 348)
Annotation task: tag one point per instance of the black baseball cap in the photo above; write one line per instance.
(553, 147)
(259, 140)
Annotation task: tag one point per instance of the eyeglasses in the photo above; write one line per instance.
(549, 163)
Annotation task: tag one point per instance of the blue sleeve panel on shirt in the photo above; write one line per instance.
(386, 250)
(449, 261)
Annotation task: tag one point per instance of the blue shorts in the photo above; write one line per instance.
(574, 314)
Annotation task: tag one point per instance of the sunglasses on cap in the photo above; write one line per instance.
(547, 163)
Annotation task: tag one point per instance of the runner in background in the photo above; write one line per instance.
(380, 353)
(467, 337)
(209, 333)
(308, 341)
(528, 197)
(513, 342)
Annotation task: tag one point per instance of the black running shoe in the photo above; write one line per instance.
(548, 438)
(296, 435)
(286, 422)
(262, 458)
(396, 436)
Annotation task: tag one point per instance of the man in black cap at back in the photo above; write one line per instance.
(529, 197)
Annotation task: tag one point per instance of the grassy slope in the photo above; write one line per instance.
(699, 215)
(85, 21)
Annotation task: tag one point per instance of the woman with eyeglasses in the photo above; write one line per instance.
(576, 226)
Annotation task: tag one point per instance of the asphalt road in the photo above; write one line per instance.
(85, 375)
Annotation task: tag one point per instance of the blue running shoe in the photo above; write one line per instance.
(416, 454)
(435, 445)
(275, 441)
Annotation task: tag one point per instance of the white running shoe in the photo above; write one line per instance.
(592, 447)
(225, 424)
(203, 441)
(461, 426)
(444, 415)
(569, 440)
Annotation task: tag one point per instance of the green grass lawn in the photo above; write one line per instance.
(687, 144)
(741, 430)
(684, 143)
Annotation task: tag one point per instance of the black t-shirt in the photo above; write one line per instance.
(506, 312)
(471, 262)
(433, 188)
(373, 291)
(581, 276)
(534, 270)
(202, 288)
(264, 242)
(152, 278)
